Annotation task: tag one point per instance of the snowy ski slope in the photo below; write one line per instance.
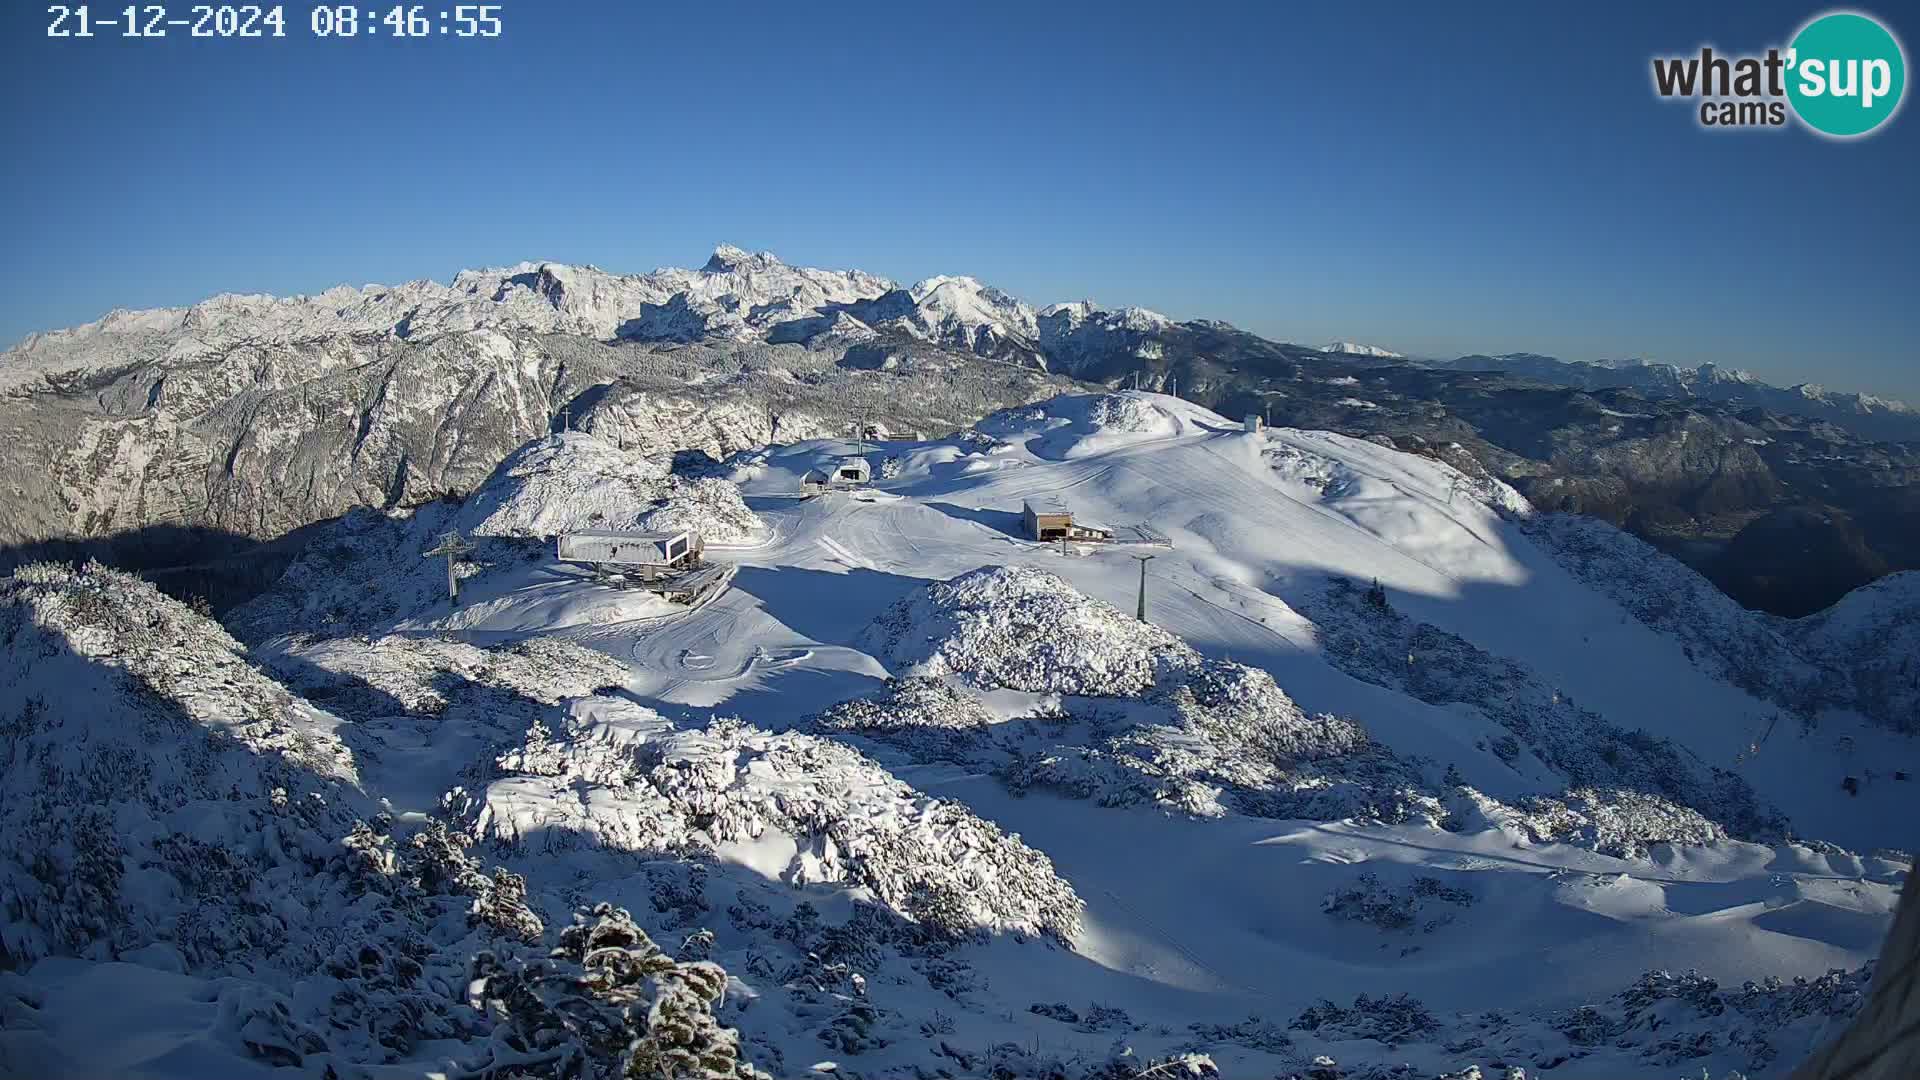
(1131, 923)
(1189, 917)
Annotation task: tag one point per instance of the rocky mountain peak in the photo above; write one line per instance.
(727, 258)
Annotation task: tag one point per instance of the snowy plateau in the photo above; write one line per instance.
(1398, 777)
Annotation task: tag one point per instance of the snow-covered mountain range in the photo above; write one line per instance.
(1399, 777)
(736, 295)
(150, 435)
(1354, 348)
(1868, 414)
(741, 295)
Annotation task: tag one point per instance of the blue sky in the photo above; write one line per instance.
(1436, 178)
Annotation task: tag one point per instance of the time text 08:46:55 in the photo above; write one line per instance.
(259, 21)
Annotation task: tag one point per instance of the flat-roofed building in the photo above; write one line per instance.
(647, 552)
(1049, 518)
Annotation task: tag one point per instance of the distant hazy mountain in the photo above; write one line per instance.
(1864, 414)
(1351, 348)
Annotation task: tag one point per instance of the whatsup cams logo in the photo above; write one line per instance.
(1843, 75)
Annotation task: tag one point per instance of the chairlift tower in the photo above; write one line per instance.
(452, 545)
(1141, 612)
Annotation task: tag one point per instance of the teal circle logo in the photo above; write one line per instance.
(1846, 74)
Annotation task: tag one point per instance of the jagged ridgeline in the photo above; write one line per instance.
(166, 439)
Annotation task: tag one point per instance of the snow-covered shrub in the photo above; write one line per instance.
(1667, 1019)
(1126, 412)
(1254, 1033)
(1012, 1061)
(166, 800)
(622, 776)
(1388, 1019)
(494, 687)
(1311, 470)
(1025, 629)
(1243, 713)
(606, 1003)
(1611, 821)
(440, 866)
(125, 714)
(1369, 900)
(1183, 769)
(927, 717)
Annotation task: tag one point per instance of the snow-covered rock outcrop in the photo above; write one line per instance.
(1076, 425)
(1159, 723)
(564, 483)
(1025, 629)
(709, 506)
(804, 808)
(570, 482)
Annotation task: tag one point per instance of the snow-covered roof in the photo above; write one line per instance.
(1048, 504)
(623, 534)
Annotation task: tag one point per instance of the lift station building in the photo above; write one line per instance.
(1052, 519)
(650, 554)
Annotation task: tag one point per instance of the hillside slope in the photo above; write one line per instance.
(1496, 807)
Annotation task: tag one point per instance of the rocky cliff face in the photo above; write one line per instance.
(182, 460)
(183, 432)
(255, 440)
